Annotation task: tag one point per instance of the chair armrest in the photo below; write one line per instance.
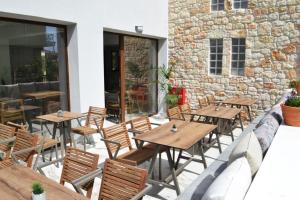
(78, 183)
(135, 131)
(143, 192)
(155, 124)
(39, 167)
(115, 143)
(9, 140)
(174, 118)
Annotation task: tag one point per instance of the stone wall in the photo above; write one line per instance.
(272, 32)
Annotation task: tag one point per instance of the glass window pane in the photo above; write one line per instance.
(235, 56)
(33, 67)
(213, 57)
(219, 71)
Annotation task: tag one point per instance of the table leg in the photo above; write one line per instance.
(241, 122)
(231, 129)
(218, 141)
(202, 156)
(151, 166)
(249, 113)
(172, 169)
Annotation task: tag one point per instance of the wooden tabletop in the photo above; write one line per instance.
(43, 94)
(67, 116)
(188, 133)
(16, 181)
(218, 112)
(242, 101)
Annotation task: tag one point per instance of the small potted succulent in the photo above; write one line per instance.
(60, 113)
(291, 111)
(295, 84)
(174, 128)
(38, 192)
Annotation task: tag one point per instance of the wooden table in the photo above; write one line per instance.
(241, 101)
(62, 123)
(220, 112)
(278, 176)
(16, 181)
(187, 135)
(42, 94)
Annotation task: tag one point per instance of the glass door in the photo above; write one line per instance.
(140, 76)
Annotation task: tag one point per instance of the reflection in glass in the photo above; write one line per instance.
(141, 76)
(32, 70)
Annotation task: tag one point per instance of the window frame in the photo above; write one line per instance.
(240, 3)
(218, 4)
(218, 60)
(238, 57)
(64, 27)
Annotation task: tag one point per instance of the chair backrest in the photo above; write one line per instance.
(6, 132)
(12, 110)
(211, 100)
(121, 181)
(203, 102)
(117, 133)
(185, 108)
(174, 113)
(141, 124)
(96, 114)
(78, 163)
(25, 140)
(17, 126)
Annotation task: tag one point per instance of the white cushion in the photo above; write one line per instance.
(232, 183)
(250, 148)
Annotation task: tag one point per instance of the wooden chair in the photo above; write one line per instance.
(24, 148)
(122, 181)
(186, 112)
(116, 138)
(95, 116)
(6, 132)
(211, 100)
(76, 164)
(47, 141)
(203, 102)
(174, 113)
(119, 181)
(142, 125)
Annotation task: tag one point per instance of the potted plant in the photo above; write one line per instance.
(166, 85)
(38, 191)
(174, 128)
(295, 84)
(291, 111)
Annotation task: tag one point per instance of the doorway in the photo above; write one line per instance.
(130, 69)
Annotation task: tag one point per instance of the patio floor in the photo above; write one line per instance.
(189, 174)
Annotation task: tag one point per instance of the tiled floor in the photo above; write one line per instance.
(185, 178)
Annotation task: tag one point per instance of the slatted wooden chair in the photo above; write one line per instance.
(186, 112)
(122, 181)
(76, 164)
(12, 110)
(174, 113)
(142, 125)
(116, 138)
(47, 141)
(24, 148)
(95, 117)
(203, 102)
(6, 132)
(211, 100)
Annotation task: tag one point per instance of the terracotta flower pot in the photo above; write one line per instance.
(298, 90)
(291, 115)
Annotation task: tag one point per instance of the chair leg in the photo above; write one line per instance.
(56, 155)
(159, 167)
(84, 143)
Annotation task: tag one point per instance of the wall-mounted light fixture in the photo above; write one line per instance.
(139, 29)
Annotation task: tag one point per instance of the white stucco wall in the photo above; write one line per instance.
(86, 21)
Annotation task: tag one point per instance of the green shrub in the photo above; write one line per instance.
(172, 100)
(295, 83)
(293, 102)
(37, 188)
